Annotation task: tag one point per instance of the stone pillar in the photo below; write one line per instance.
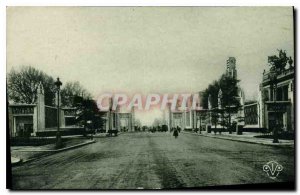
(170, 117)
(182, 124)
(173, 120)
(112, 121)
(35, 121)
(118, 122)
(40, 108)
(183, 118)
(241, 114)
(209, 102)
(132, 119)
(107, 121)
(129, 122)
(209, 107)
(194, 119)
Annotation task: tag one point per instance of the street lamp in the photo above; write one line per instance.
(273, 84)
(58, 83)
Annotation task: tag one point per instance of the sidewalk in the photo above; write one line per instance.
(66, 136)
(29, 153)
(245, 137)
(102, 135)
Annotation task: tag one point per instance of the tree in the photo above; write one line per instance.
(230, 98)
(279, 62)
(215, 118)
(87, 110)
(72, 90)
(229, 101)
(22, 85)
(211, 90)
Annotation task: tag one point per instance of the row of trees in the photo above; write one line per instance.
(230, 100)
(22, 87)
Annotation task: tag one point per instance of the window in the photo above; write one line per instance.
(285, 93)
(279, 94)
(266, 95)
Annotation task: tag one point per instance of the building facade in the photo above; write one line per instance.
(251, 112)
(31, 119)
(277, 101)
(120, 119)
(189, 118)
(36, 119)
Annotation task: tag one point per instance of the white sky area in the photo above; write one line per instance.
(147, 117)
(148, 49)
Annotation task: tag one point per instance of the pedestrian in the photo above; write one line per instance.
(175, 133)
(178, 129)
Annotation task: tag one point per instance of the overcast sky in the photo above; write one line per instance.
(147, 49)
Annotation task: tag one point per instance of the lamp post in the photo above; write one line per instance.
(58, 83)
(273, 84)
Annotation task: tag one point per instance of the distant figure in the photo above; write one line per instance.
(178, 129)
(175, 133)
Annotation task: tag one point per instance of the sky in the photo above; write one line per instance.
(148, 49)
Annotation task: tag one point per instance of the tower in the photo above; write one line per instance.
(230, 68)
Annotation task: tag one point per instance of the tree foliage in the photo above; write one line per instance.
(230, 99)
(211, 90)
(87, 110)
(229, 87)
(22, 85)
(279, 62)
(72, 90)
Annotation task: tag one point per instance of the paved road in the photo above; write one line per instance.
(145, 160)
